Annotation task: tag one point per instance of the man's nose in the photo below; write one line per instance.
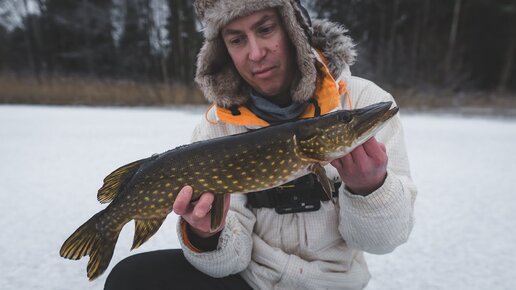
(257, 50)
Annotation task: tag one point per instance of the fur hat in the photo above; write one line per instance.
(216, 75)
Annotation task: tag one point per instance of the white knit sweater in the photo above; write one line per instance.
(321, 249)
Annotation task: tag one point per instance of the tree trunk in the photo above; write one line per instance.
(452, 39)
(29, 38)
(507, 67)
(392, 38)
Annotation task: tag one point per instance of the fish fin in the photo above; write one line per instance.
(323, 179)
(217, 211)
(144, 230)
(303, 148)
(116, 181)
(88, 240)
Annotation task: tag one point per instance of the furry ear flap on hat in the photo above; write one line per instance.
(307, 19)
(201, 6)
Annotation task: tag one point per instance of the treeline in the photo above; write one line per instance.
(453, 44)
(141, 40)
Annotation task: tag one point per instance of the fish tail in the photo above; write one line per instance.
(89, 240)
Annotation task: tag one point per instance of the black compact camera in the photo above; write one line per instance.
(301, 195)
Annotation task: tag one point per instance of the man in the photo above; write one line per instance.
(264, 62)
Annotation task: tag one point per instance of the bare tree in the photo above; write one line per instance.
(452, 39)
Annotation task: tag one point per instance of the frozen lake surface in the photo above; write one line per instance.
(53, 160)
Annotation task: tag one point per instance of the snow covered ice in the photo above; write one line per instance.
(53, 160)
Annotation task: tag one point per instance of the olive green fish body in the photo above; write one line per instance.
(145, 190)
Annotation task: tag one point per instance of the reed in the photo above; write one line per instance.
(94, 92)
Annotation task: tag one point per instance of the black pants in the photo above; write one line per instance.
(165, 270)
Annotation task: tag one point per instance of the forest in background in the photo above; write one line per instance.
(131, 52)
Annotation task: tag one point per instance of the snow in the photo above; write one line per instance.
(53, 160)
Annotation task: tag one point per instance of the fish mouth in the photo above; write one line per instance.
(369, 120)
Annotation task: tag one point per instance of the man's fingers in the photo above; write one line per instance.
(374, 150)
(337, 163)
(182, 200)
(227, 199)
(203, 206)
(358, 154)
(382, 146)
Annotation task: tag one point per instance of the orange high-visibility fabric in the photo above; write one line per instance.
(327, 95)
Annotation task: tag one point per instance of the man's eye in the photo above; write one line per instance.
(236, 40)
(267, 29)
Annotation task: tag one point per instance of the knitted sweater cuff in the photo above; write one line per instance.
(223, 260)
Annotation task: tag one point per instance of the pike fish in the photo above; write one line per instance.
(145, 190)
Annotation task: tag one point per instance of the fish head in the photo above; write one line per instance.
(336, 134)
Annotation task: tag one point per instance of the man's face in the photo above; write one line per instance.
(262, 53)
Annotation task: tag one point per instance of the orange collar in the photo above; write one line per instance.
(327, 95)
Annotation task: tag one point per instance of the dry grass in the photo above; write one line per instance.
(491, 103)
(95, 92)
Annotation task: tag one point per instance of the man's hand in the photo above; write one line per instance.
(364, 169)
(197, 214)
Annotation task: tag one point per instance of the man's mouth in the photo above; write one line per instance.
(264, 72)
